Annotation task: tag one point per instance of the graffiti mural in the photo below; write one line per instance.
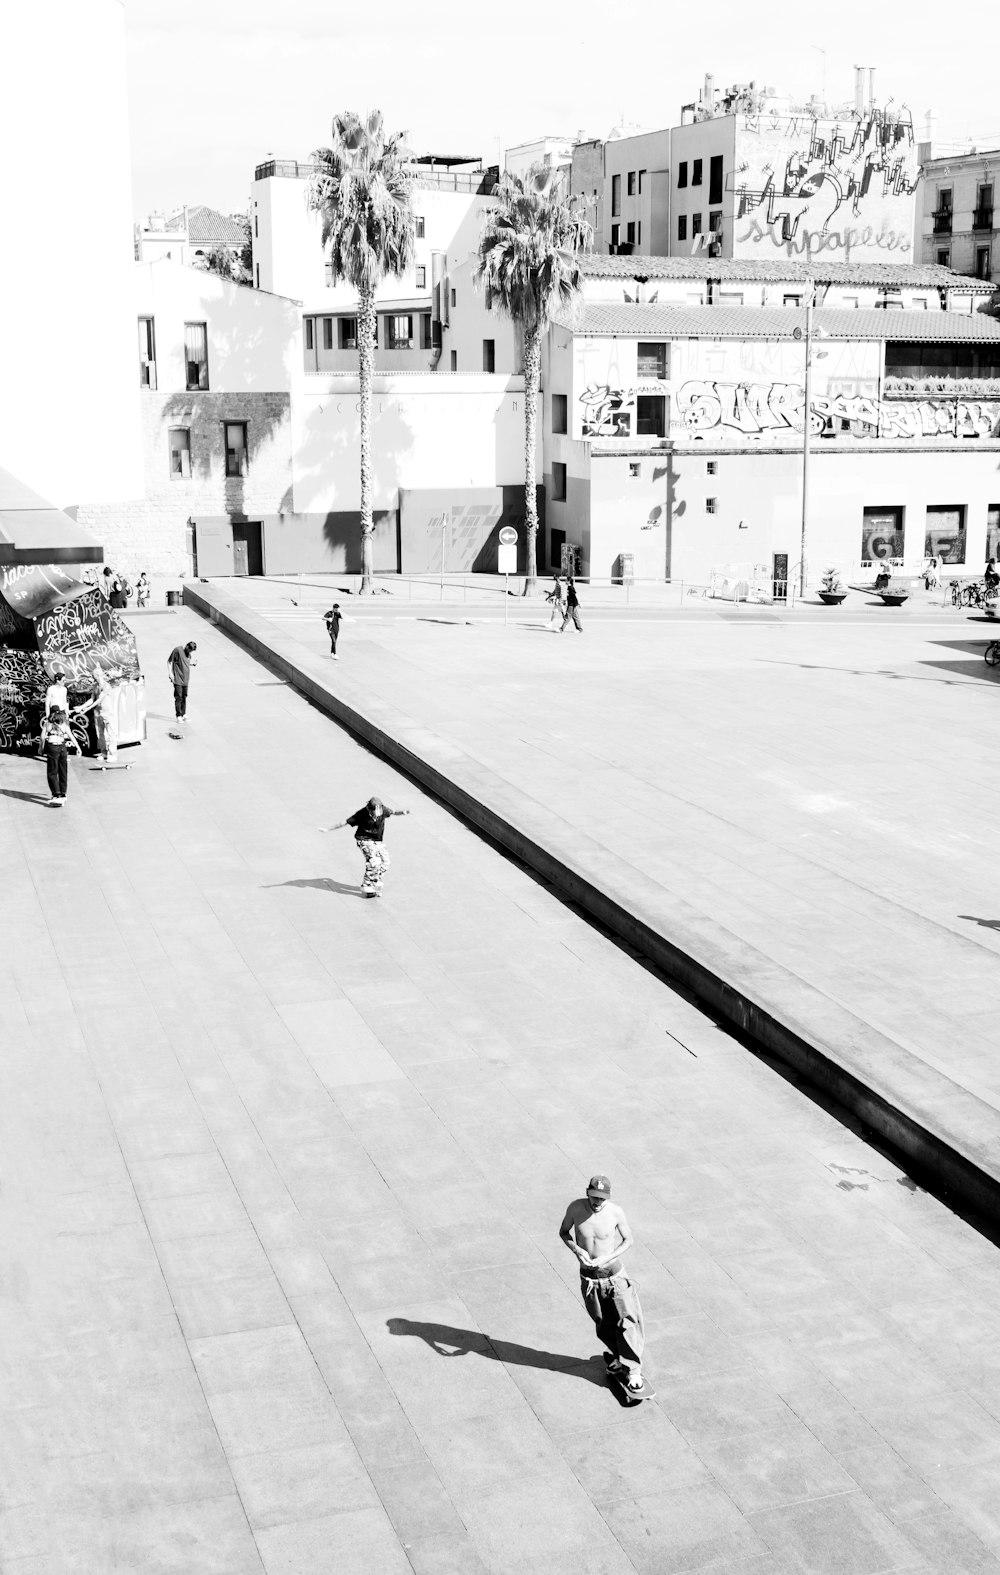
(754, 409)
(805, 186)
(609, 411)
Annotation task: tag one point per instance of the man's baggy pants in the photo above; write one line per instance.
(613, 1303)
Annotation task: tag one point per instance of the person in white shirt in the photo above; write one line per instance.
(105, 706)
(55, 694)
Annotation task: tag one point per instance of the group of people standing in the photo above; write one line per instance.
(58, 739)
(564, 602)
(117, 589)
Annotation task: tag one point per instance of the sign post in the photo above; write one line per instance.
(507, 561)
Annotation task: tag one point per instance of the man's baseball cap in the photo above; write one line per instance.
(600, 1185)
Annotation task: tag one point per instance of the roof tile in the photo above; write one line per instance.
(917, 275)
(735, 322)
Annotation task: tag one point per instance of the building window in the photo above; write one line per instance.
(715, 223)
(328, 333)
(236, 447)
(919, 303)
(711, 467)
(630, 184)
(682, 173)
(849, 301)
(630, 232)
(558, 483)
(309, 333)
(711, 505)
(635, 470)
(682, 227)
(147, 353)
(715, 178)
(421, 276)
(791, 300)
(993, 530)
(329, 277)
(642, 176)
(616, 195)
(560, 413)
(399, 331)
(982, 218)
(256, 232)
(650, 415)
(696, 168)
(454, 298)
(419, 226)
(179, 448)
(945, 533)
(196, 354)
(426, 332)
(651, 360)
(982, 262)
(730, 298)
(489, 355)
(638, 233)
(258, 276)
(944, 199)
(348, 328)
(616, 235)
(454, 360)
(944, 258)
(881, 535)
(696, 224)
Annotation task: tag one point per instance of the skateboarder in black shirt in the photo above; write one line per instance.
(369, 827)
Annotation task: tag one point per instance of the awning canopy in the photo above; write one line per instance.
(34, 531)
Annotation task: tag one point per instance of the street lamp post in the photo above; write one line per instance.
(806, 410)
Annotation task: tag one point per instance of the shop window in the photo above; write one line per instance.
(196, 355)
(328, 333)
(179, 448)
(236, 447)
(945, 534)
(558, 483)
(651, 360)
(881, 535)
(682, 173)
(560, 413)
(147, 353)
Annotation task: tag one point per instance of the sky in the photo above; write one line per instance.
(215, 88)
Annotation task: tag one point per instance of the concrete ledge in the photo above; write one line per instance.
(943, 1130)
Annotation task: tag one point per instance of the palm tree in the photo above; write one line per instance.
(363, 193)
(529, 264)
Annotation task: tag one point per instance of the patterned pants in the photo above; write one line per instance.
(376, 863)
(614, 1306)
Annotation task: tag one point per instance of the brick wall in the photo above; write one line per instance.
(151, 532)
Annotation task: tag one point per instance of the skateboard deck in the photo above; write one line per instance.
(117, 765)
(173, 734)
(622, 1390)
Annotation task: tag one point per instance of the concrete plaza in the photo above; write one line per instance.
(283, 1170)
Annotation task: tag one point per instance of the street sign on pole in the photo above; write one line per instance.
(507, 550)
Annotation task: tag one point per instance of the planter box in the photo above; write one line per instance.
(833, 598)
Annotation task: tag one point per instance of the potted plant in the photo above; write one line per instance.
(832, 590)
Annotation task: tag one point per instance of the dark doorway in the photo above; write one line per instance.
(779, 577)
(557, 541)
(248, 548)
(650, 416)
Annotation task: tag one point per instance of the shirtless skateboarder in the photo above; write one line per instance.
(597, 1232)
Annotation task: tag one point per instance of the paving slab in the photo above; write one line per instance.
(282, 1289)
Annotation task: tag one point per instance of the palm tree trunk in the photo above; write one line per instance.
(367, 321)
(532, 370)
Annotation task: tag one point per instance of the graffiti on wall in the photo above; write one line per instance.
(754, 408)
(805, 186)
(608, 411)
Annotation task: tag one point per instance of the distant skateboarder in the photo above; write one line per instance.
(596, 1231)
(369, 828)
(180, 661)
(333, 619)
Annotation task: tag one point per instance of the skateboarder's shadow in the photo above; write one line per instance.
(448, 1341)
(318, 883)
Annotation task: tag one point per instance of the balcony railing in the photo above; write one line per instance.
(942, 222)
(475, 182)
(982, 219)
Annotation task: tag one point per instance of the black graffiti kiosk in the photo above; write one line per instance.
(52, 622)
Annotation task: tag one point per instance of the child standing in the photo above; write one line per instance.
(57, 740)
(333, 620)
(142, 589)
(369, 828)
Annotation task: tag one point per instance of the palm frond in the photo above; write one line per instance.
(363, 193)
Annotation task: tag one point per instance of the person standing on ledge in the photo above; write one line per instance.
(369, 828)
(180, 661)
(572, 606)
(596, 1231)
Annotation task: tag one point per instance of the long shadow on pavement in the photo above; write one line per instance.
(472, 1342)
(29, 798)
(319, 883)
(984, 924)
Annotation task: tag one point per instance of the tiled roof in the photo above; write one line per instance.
(737, 322)
(917, 275)
(207, 227)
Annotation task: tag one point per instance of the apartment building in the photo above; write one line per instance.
(957, 224)
(190, 235)
(674, 413)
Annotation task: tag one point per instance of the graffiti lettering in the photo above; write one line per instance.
(810, 242)
(754, 408)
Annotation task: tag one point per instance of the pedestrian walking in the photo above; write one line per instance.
(142, 590)
(555, 597)
(572, 606)
(180, 662)
(333, 620)
(596, 1231)
(369, 829)
(105, 708)
(57, 741)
